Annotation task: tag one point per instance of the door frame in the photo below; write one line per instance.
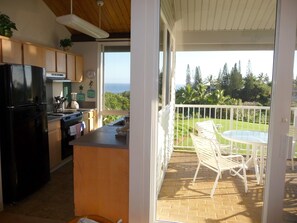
(145, 16)
(283, 65)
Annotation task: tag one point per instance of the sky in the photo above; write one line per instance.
(211, 62)
(117, 65)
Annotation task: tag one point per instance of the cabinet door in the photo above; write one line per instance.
(50, 60)
(54, 140)
(34, 55)
(70, 67)
(79, 68)
(61, 62)
(86, 120)
(91, 120)
(11, 51)
(95, 120)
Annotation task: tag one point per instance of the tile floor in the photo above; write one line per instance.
(53, 203)
(181, 201)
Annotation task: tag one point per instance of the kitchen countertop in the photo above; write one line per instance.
(102, 137)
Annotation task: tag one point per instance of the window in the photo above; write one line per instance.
(115, 82)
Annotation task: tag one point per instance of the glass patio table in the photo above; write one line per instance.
(258, 141)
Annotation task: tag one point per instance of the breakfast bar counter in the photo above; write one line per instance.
(101, 174)
(102, 137)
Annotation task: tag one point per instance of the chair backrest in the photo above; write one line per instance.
(206, 129)
(206, 150)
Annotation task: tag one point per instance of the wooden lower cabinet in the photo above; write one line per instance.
(90, 119)
(54, 141)
(101, 182)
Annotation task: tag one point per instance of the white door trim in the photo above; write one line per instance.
(283, 63)
(143, 108)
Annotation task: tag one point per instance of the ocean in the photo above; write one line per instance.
(116, 87)
(120, 88)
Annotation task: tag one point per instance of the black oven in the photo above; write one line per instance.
(71, 128)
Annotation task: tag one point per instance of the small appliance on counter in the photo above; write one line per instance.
(124, 131)
(74, 103)
(59, 103)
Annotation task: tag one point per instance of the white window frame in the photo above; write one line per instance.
(101, 99)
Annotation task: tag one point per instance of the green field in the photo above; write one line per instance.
(183, 128)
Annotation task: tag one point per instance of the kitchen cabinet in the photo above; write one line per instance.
(61, 62)
(55, 61)
(90, 119)
(74, 67)
(33, 55)
(54, 140)
(86, 120)
(10, 51)
(101, 182)
(101, 174)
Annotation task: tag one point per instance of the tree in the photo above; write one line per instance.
(249, 68)
(248, 92)
(225, 80)
(186, 95)
(188, 75)
(236, 83)
(197, 78)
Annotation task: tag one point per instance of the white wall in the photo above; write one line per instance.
(35, 22)
(90, 53)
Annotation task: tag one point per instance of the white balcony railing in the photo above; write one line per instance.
(225, 116)
(176, 122)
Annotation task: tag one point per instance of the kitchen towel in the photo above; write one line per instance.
(72, 130)
(78, 129)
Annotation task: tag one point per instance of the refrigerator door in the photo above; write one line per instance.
(35, 85)
(25, 153)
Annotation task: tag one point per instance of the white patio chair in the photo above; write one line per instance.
(208, 129)
(209, 155)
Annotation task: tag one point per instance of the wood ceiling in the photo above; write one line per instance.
(115, 14)
(218, 15)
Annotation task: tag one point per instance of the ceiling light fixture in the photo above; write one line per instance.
(77, 23)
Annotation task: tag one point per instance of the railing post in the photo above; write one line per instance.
(231, 117)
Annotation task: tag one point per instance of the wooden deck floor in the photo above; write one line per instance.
(182, 201)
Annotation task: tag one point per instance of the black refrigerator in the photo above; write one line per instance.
(23, 132)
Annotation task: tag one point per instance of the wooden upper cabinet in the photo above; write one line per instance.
(34, 55)
(50, 60)
(79, 68)
(74, 67)
(61, 62)
(70, 67)
(55, 61)
(11, 51)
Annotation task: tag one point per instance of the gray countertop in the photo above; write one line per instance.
(102, 137)
(52, 118)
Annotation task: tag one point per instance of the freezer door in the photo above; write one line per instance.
(35, 84)
(22, 85)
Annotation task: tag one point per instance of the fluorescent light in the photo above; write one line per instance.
(76, 23)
